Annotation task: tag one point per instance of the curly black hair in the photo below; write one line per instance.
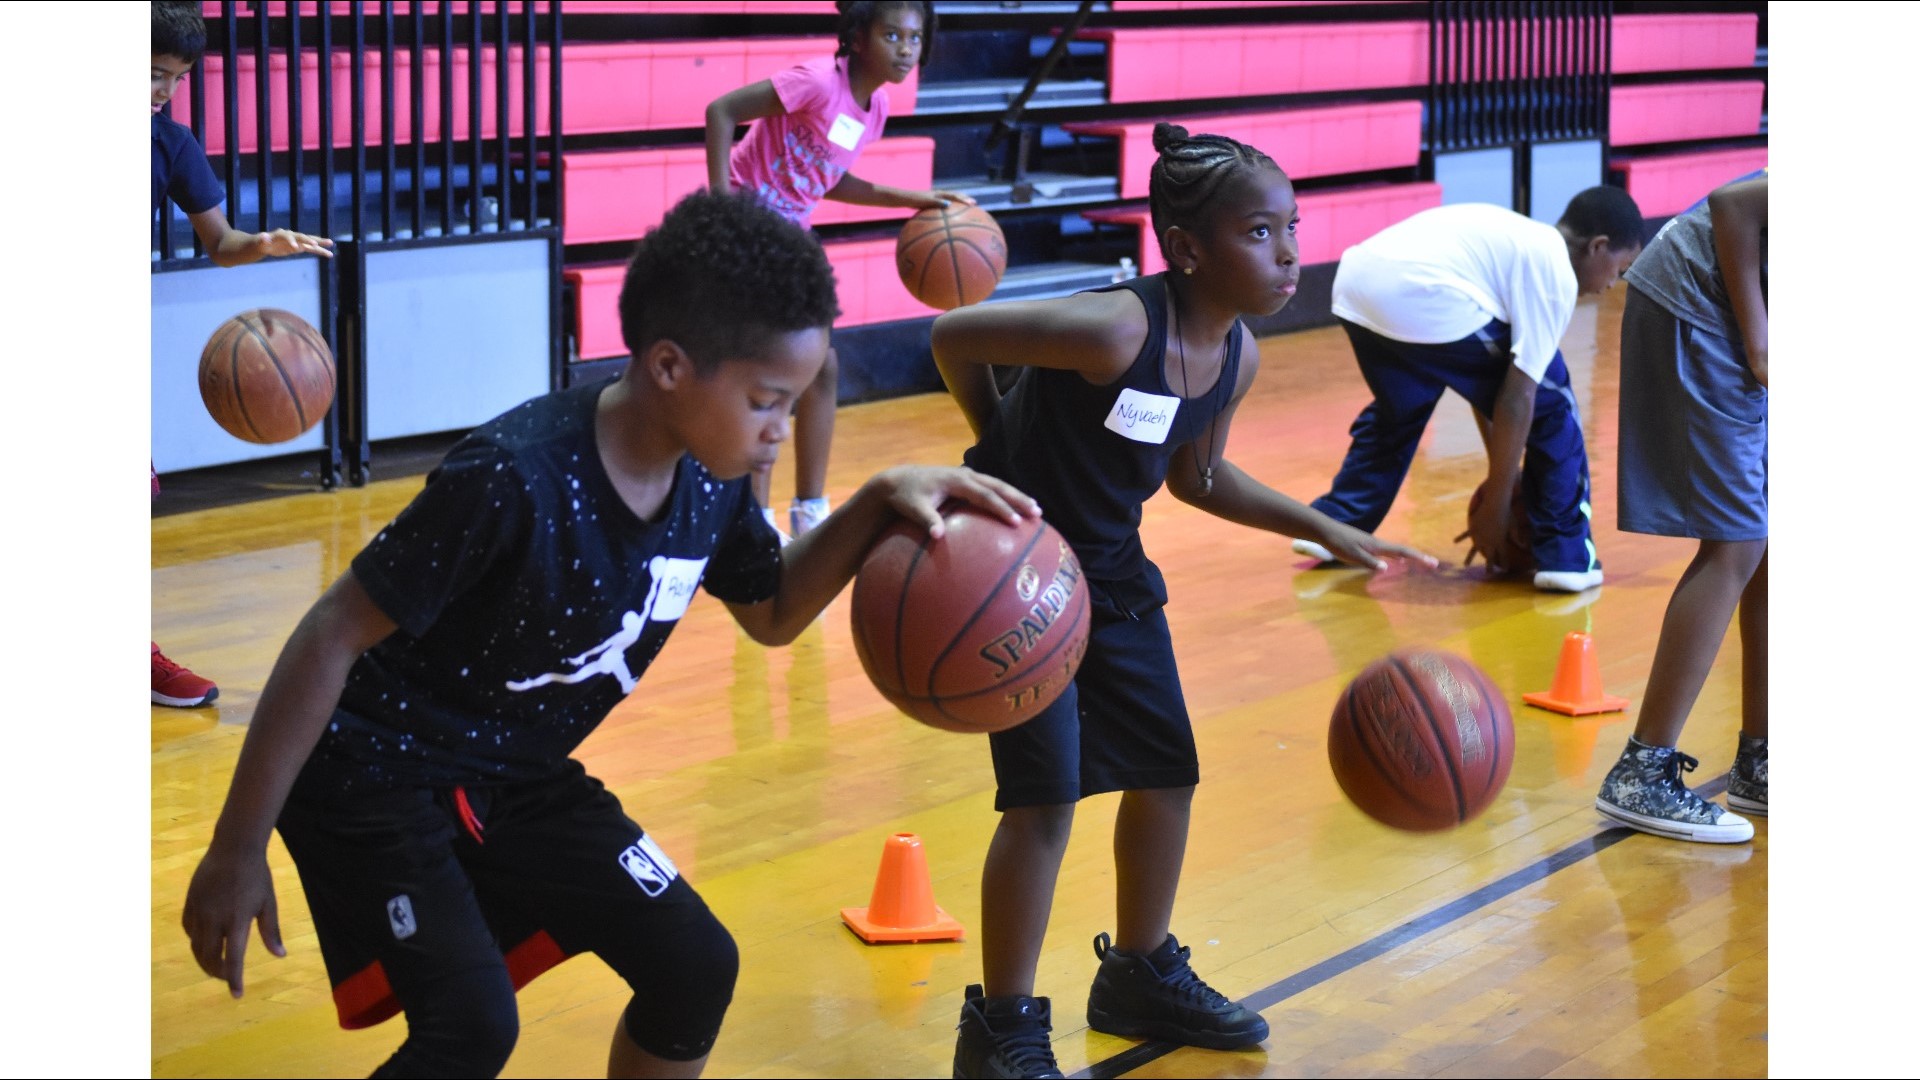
(178, 30)
(856, 17)
(1606, 211)
(719, 276)
(1189, 172)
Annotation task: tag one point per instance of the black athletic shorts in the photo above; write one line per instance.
(1122, 724)
(410, 885)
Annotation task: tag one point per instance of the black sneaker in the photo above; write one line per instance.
(1157, 996)
(1747, 783)
(1004, 1037)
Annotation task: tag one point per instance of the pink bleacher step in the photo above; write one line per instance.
(620, 194)
(1669, 112)
(1171, 64)
(864, 273)
(1666, 184)
(1331, 221)
(596, 309)
(605, 87)
(212, 8)
(602, 79)
(1321, 141)
(1684, 42)
(868, 279)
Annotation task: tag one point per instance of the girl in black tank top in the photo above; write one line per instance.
(1125, 388)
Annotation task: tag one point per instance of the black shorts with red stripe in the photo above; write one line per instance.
(440, 902)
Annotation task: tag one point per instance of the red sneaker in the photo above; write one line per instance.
(176, 686)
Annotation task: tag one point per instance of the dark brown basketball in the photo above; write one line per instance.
(951, 257)
(1421, 740)
(977, 631)
(266, 376)
(1517, 558)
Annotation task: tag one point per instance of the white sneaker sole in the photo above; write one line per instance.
(1570, 581)
(181, 702)
(1747, 806)
(1732, 829)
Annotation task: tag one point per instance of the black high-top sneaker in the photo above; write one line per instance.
(1157, 996)
(1004, 1037)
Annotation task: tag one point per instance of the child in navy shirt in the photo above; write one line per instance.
(181, 173)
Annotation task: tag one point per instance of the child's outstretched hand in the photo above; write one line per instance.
(1357, 548)
(916, 492)
(939, 199)
(283, 242)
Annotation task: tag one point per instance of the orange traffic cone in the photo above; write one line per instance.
(1576, 682)
(902, 908)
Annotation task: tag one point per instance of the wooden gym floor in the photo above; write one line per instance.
(1536, 941)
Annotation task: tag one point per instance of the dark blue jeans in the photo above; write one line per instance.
(1407, 381)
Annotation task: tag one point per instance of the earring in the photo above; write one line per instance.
(1189, 271)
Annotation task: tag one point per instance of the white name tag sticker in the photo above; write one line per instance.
(676, 580)
(1142, 417)
(845, 132)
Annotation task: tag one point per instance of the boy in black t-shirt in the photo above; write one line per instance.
(412, 745)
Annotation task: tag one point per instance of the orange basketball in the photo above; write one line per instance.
(1421, 740)
(977, 631)
(266, 376)
(951, 257)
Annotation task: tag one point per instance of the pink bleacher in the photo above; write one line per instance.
(864, 273)
(601, 88)
(1666, 184)
(681, 78)
(596, 309)
(868, 280)
(1669, 112)
(1168, 64)
(1684, 42)
(1318, 141)
(212, 8)
(620, 194)
(1331, 221)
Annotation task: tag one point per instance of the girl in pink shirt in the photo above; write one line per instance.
(810, 123)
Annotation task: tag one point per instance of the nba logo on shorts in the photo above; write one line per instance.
(400, 917)
(649, 866)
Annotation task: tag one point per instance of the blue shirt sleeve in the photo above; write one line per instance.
(181, 169)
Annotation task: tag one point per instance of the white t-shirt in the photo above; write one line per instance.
(1443, 273)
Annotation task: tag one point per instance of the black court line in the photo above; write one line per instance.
(1261, 1000)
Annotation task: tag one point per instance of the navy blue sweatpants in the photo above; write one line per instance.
(1407, 381)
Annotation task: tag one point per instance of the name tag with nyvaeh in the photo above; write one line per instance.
(1142, 417)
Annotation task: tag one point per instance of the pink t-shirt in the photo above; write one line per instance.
(792, 161)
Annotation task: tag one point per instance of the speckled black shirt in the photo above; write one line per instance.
(529, 600)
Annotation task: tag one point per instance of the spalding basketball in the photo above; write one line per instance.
(1421, 741)
(266, 376)
(952, 256)
(977, 631)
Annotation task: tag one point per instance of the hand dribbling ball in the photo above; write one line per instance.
(1421, 740)
(977, 631)
(266, 376)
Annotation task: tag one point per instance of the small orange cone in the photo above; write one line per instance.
(902, 908)
(1576, 682)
